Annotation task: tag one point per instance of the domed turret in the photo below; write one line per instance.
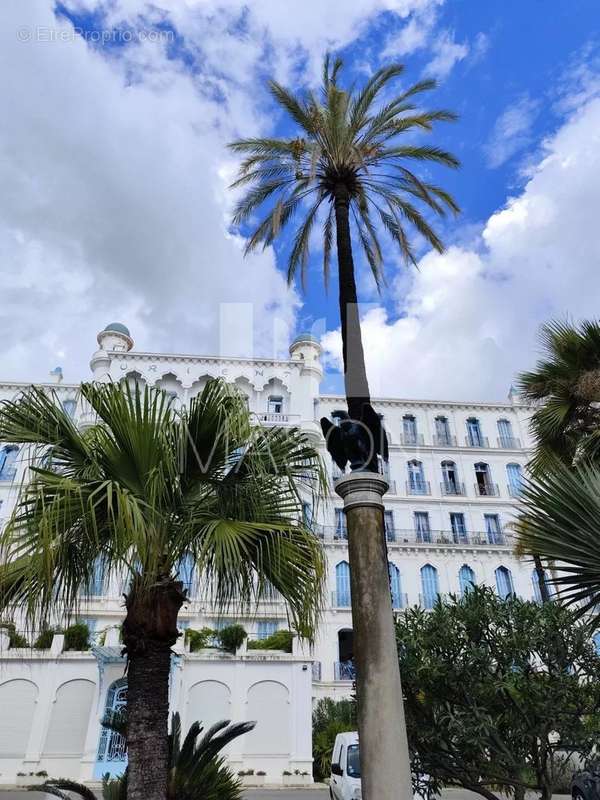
(115, 337)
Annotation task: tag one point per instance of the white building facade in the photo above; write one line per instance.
(454, 474)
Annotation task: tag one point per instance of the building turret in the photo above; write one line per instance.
(115, 338)
(307, 349)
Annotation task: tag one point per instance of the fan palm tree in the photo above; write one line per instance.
(140, 491)
(347, 165)
(565, 387)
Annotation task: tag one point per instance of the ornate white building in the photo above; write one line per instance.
(454, 473)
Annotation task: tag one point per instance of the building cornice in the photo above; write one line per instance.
(391, 402)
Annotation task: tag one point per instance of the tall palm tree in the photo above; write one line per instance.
(141, 490)
(347, 165)
(565, 387)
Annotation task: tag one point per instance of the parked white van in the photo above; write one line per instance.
(345, 768)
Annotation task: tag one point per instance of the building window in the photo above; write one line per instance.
(8, 460)
(395, 586)
(388, 521)
(185, 571)
(96, 585)
(450, 483)
(505, 433)
(596, 640)
(416, 478)
(266, 628)
(275, 405)
(466, 579)
(459, 528)
(307, 515)
(429, 586)
(342, 585)
(504, 583)
(409, 430)
(341, 532)
(483, 481)
(69, 407)
(535, 582)
(492, 529)
(514, 474)
(442, 432)
(474, 437)
(422, 527)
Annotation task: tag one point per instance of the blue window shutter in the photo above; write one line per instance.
(466, 579)
(395, 586)
(504, 583)
(342, 584)
(430, 585)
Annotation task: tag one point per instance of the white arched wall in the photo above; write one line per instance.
(17, 706)
(69, 719)
(208, 702)
(269, 704)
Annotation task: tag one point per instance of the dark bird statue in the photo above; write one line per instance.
(356, 441)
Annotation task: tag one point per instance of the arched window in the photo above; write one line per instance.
(466, 579)
(429, 586)
(474, 437)
(395, 586)
(535, 582)
(504, 583)
(442, 432)
(388, 522)
(342, 585)
(416, 478)
(69, 407)
(409, 430)
(505, 433)
(483, 481)
(514, 474)
(96, 585)
(8, 459)
(450, 483)
(112, 750)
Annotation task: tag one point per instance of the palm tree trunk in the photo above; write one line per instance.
(355, 374)
(149, 632)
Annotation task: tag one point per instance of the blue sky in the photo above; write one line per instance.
(118, 204)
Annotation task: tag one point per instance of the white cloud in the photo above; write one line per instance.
(447, 53)
(512, 131)
(114, 170)
(470, 318)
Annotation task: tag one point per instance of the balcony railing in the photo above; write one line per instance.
(272, 418)
(452, 488)
(412, 439)
(344, 671)
(509, 442)
(451, 538)
(316, 670)
(444, 441)
(341, 600)
(477, 441)
(418, 487)
(487, 489)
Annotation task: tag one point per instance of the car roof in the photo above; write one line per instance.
(350, 737)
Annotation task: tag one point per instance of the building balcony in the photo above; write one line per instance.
(450, 538)
(479, 441)
(418, 487)
(316, 670)
(341, 600)
(487, 489)
(344, 671)
(452, 488)
(272, 418)
(509, 443)
(412, 440)
(444, 441)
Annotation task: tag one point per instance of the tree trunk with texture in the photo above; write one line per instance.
(149, 632)
(539, 571)
(355, 374)
(384, 756)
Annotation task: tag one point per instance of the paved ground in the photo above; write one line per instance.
(284, 794)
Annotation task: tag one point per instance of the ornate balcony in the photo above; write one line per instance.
(341, 600)
(444, 441)
(412, 440)
(487, 489)
(418, 487)
(509, 443)
(452, 488)
(477, 441)
(344, 671)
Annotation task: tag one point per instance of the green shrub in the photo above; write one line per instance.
(280, 640)
(199, 639)
(44, 640)
(77, 637)
(329, 719)
(231, 637)
(15, 639)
